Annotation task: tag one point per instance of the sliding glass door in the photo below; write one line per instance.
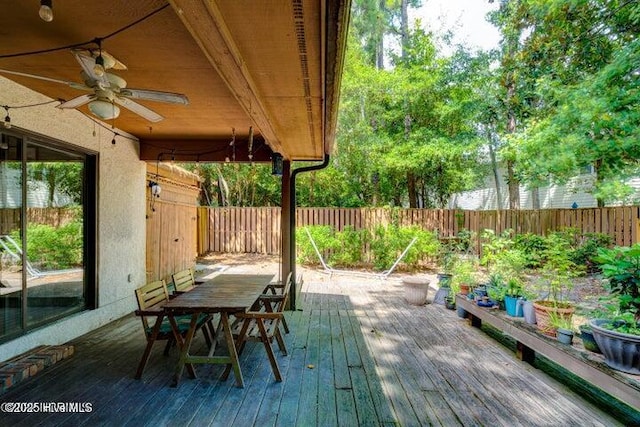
(47, 233)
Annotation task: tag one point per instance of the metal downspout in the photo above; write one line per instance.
(292, 223)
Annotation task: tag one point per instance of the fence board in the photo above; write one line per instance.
(258, 229)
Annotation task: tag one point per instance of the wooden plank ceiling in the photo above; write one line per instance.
(272, 65)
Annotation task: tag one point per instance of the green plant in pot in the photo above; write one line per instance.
(464, 277)
(514, 294)
(557, 274)
(496, 288)
(618, 336)
(563, 327)
(447, 260)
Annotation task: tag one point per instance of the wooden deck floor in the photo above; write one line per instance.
(358, 355)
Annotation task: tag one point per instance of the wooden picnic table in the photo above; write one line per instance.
(225, 294)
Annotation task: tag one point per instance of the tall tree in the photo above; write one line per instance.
(576, 54)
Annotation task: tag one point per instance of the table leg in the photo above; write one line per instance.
(184, 346)
(233, 354)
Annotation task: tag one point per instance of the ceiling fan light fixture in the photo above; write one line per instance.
(46, 10)
(98, 68)
(104, 109)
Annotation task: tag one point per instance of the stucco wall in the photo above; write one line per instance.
(121, 213)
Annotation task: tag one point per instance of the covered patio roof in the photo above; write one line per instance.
(270, 66)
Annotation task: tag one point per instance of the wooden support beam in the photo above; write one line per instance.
(204, 150)
(286, 229)
(524, 353)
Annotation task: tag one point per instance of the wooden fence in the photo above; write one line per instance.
(257, 230)
(10, 218)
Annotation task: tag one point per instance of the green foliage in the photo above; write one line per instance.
(561, 321)
(235, 184)
(348, 247)
(59, 177)
(532, 245)
(625, 323)
(587, 250)
(51, 248)
(388, 243)
(324, 238)
(465, 272)
(621, 266)
(558, 269)
(500, 255)
(351, 244)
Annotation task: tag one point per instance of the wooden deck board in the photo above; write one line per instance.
(376, 361)
(329, 371)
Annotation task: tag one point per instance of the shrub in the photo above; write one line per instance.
(349, 247)
(587, 250)
(324, 239)
(493, 246)
(51, 248)
(532, 246)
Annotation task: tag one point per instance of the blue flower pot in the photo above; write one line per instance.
(513, 305)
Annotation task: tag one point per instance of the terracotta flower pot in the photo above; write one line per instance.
(464, 289)
(543, 311)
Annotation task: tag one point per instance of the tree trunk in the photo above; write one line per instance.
(596, 168)
(514, 187)
(404, 27)
(496, 177)
(411, 187)
(223, 190)
(535, 198)
(512, 181)
(380, 46)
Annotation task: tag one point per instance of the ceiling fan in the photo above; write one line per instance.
(108, 89)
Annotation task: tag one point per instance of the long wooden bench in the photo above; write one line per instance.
(586, 365)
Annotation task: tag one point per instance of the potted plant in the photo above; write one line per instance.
(514, 295)
(464, 277)
(557, 274)
(588, 340)
(450, 302)
(447, 261)
(496, 289)
(618, 336)
(563, 327)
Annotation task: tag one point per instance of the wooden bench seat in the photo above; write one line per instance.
(278, 288)
(183, 281)
(529, 342)
(262, 324)
(151, 298)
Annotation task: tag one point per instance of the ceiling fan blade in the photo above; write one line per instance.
(87, 62)
(110, 61)
(48, 79)
(77, 101)
(139, 109)
(155, 95)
